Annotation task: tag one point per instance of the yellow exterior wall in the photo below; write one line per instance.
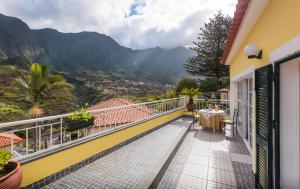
(278, 24)
(41, 168)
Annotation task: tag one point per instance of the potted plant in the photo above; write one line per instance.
(10, 171)
(78, 120)
(191, 93)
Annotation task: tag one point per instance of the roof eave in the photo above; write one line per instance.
(251, 14)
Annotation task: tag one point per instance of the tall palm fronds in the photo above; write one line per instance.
(190, 92)
(44, 91)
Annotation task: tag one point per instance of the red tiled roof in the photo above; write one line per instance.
(119, 115)
(113, 102)
(5, 139)
(239, 14)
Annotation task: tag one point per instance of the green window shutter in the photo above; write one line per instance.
(264, 157)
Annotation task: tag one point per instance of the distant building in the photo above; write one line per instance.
(224, 93)
(118, 116)
(5, 140)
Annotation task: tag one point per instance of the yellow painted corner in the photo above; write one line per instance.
(277, 25)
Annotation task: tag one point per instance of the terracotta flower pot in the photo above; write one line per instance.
(13, 179)
(190, 107)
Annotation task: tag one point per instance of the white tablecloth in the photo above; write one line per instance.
(208, 113)
(211, 118)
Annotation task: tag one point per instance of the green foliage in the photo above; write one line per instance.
(19, 61)
(210, 85)
(170, 93)
(190, 92)
(5, 156)
(187, 83)
(46, 93)
(81, 115)
(84, 94)
(154, 97)
(10, 112)
(209, 48)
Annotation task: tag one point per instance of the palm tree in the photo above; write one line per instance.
(42, 90)
(190, 92)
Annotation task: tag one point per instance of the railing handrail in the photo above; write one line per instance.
(203, 99)
(48, 118)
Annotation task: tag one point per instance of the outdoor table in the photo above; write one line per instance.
(211, 118)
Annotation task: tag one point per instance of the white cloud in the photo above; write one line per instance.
(134, 23)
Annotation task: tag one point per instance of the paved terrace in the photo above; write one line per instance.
(210, 160)
(204, 160)
(132, 166)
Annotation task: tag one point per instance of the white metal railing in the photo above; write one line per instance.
(211, 103)
(46, 133)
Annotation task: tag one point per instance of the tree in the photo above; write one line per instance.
(43, 91)
(186, 83)
(209, 48)
(209, 86)
(170, 93)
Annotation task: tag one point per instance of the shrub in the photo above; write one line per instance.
(5, 156)
(170, 93)
(10, 113)
(81, 115)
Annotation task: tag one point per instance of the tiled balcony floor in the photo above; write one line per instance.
(204, 160)
(134, 165)
(209, 160)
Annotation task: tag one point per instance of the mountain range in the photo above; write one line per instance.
(88, 50)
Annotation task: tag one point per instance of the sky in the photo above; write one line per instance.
(137, 24)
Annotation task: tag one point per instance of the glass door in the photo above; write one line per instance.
(245, 105)
(240, 104)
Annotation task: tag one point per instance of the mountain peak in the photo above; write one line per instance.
(88, 51)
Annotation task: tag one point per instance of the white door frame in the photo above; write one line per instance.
(245, 75)
(289, 124)
(278, 56)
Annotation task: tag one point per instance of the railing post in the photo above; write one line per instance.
(50, 136)
(40, 137)
(37, 125)
(26, 141)
(61, 130)
(35, 136)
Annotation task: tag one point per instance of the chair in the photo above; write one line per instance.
(232, 122)
(197, 117)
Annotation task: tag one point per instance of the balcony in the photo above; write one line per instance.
(157, 145)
